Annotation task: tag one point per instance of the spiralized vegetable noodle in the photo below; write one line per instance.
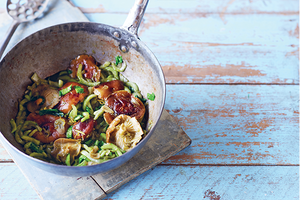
(84, 115)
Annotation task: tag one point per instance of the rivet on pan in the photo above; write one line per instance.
(133, 43)
(116, 34)
(124, 49)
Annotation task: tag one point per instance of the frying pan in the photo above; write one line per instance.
(50, 50)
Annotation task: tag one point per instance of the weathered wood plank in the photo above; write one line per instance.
(220, 44)
(50, 186)
(237, 124)
(206, 49)
(178, 182)
(187, 6)
(4, 156)
(191, 6)
(183, 182)
(13, 185)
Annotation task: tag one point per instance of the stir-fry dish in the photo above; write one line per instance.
(84, 115)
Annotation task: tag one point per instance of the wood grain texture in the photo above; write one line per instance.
(4, 156)
(216, 41)
(183, 182)
(218, 46)
(191, 6)
(214, 183)
(237, 124)
(13, 185)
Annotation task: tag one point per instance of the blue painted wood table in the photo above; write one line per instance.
(232, 72)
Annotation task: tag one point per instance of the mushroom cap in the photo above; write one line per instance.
(122, 102)
(105, 89)
(63, 147)
(50, 95)
(125, 132)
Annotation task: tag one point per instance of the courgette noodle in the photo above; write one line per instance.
(86, 120)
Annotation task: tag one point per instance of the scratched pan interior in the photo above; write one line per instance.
(50, 50)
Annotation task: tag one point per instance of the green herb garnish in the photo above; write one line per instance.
(131, 89)
(89, 142)
(97, 108)
(79, 89)
(119, 59)
(68, 160)
(69, 133)
(33, 147)
(89, 110)
(51, 112)
(82, 158)
(65, 90)
(100, 144)
(151, 97)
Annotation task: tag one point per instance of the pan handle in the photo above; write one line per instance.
(135, 16)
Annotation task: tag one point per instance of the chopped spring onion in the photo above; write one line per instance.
(35, 148)
(69, 133)
(51, 112)
(82, 158)
(143, 100)
(119, 59)
(151, 97)
(65, 90)
(79, 89)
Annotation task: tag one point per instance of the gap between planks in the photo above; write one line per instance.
(99, 185)
(7, 161)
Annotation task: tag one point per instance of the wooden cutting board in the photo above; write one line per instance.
(167, 140)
